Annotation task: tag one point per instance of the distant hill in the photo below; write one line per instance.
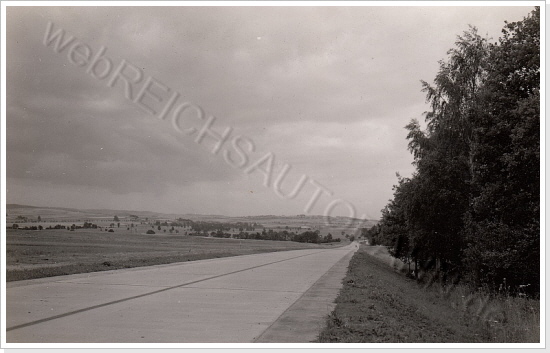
(15, 212)
(14, 206)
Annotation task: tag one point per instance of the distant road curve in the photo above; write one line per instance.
(233, 299)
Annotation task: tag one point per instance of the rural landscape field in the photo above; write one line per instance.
(41, 250)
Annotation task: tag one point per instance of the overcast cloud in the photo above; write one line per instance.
(326, 90)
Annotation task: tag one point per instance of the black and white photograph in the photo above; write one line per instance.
(273, 174)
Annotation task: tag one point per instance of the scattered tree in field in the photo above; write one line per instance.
(39, 219)
(116, 219)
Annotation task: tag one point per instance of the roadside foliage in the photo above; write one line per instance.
(471, 209)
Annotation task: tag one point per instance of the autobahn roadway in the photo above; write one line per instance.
(269, 297)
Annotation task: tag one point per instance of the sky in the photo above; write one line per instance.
(277, 110)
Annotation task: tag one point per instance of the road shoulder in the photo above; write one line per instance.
(304, 319)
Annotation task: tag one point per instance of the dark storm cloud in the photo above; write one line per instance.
(326, 89)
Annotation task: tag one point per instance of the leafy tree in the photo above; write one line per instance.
(473, 203)
(392, 230)
(503, 223)
(442, 155)
(116, 219)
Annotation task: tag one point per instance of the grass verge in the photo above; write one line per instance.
(116, 264)
(377, 304)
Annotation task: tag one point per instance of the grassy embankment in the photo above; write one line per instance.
(36, 254)
(379, 304)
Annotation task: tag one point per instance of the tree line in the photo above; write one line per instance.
(304, 237)
(472, 206)
(203, 226)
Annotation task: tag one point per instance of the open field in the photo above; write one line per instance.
(53, 252)
(378, 304)
(28, 216)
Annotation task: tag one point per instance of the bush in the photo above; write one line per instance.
(151, 232)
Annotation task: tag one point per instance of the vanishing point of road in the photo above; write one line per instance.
(270, 297)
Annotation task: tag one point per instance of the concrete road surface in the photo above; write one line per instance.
(271, 297)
